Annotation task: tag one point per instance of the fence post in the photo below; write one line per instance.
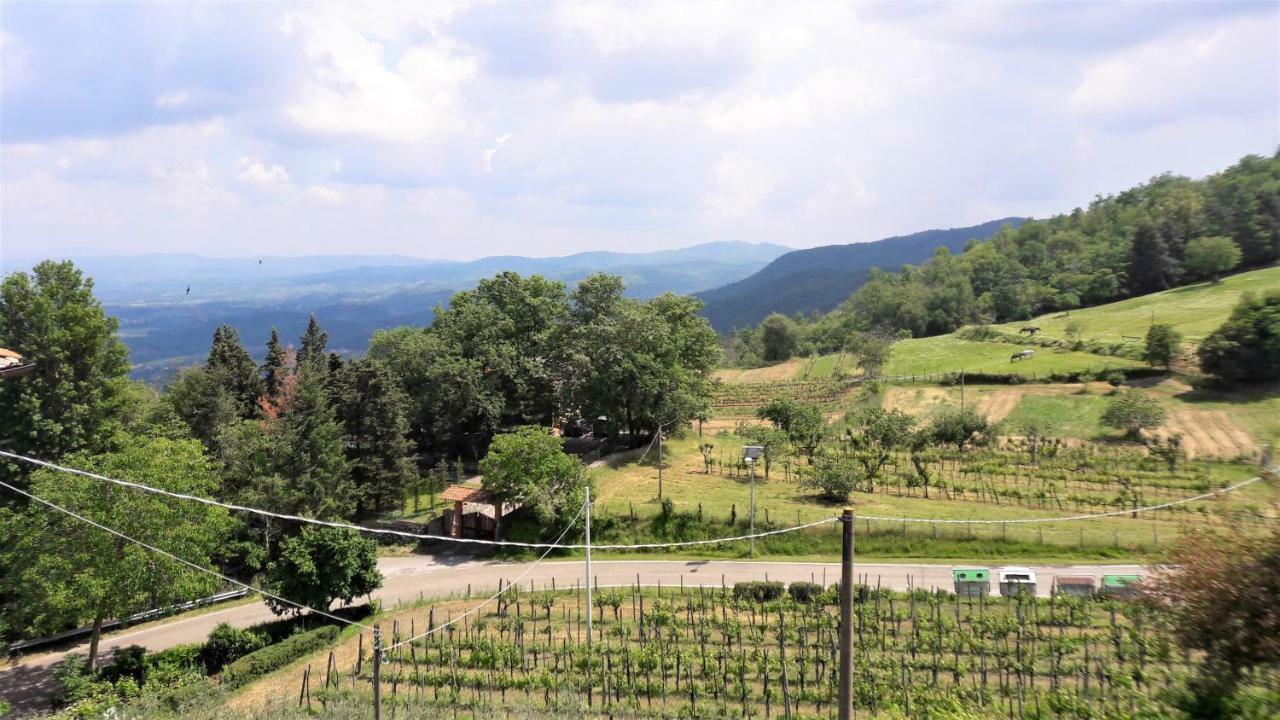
(846, 616)
(377, 672)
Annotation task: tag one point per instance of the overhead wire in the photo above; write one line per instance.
(182, 561)
(637, 546)
(501, 590)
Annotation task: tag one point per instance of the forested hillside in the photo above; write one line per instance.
(1167, 232)
(818, 279)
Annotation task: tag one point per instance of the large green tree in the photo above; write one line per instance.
(201, 400)
(778, 338)
(371, 408)
(276, 366)
(232, 366)
(312, 346)
(1133, 412)
(529, 467)
(1209, 257)
(320, 565)
(63, 571)
(312, 457)
(1246, 348)
(73, 400)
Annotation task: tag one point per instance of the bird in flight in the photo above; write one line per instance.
(188, 290)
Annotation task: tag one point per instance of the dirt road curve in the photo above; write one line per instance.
(406, 579)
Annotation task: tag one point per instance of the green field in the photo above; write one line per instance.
(948, 353)
(1063, 416)
(1195, 310)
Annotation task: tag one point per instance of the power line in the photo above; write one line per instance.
(491, 598)
(639, 546)
(387, 531)
(175, 558)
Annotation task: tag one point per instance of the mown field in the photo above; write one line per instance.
(753, 652)
(1195, 310)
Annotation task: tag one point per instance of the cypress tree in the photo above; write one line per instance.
(235, 370)
(372, 409)
(314, 462)
(274, 369)
(311, 351)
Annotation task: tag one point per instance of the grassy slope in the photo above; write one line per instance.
(948, 353)
(633, 488)
(1195, 310)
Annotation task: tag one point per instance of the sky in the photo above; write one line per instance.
(460, 130)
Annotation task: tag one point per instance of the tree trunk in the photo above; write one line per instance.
(93, 641)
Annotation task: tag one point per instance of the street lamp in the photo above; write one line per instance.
(750, 454)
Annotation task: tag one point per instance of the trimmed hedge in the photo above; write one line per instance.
(981, 378)
(805, 592)
(758, 590)
(273, 657)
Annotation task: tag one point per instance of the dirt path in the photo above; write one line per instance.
(999, 404)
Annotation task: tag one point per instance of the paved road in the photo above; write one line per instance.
(407, 579)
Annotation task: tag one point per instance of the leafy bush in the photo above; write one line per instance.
(128, 662)
(758, 590)
(227, 644)
(273, 657)
(804, 592)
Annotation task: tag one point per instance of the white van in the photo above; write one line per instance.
(1016, 580)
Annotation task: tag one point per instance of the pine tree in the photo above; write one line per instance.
(1152, 267)
(311, 352)
(275, 367)
(235, 370)
(314, 463)
(372, 409)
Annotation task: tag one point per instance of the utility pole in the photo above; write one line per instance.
(588, 543)
(659, 462)
(846, 616)
(753, 507)
(377, 672)
(961, 389)
(752, 453)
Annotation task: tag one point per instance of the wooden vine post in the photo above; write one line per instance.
(377, 672)
(846, 616)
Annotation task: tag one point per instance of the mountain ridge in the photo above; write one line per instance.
(817, 279)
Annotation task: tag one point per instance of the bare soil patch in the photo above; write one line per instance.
(1208, 433)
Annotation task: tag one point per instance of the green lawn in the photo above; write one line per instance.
(1076, 416)
(1195, 310)
(948, 353)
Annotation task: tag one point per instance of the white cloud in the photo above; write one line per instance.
(1227, 69)
(741, 185)
(640, 125)
(174, 99)
(352, 88)
(489, 152)
(259, 173)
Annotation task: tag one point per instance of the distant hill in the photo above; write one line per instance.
(819, 279)
(353, 295)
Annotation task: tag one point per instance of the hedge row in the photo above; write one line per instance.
(273, 657)
(981, 378)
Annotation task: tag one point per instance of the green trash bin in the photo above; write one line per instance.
(972, 581)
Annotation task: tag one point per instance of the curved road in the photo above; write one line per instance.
(407, 579)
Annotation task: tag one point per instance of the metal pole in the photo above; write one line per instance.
(753, 508)
(588, 544)
(846, 617)
(377, 673)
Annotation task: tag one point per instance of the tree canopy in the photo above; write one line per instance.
(1246, 348)
(320, 565)
(62, 569)
(74, 398)
(529, 467)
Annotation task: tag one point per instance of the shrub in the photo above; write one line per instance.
(127, 662)
(273, 657)
(227, 644)
(804, 592)
(758, 590)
